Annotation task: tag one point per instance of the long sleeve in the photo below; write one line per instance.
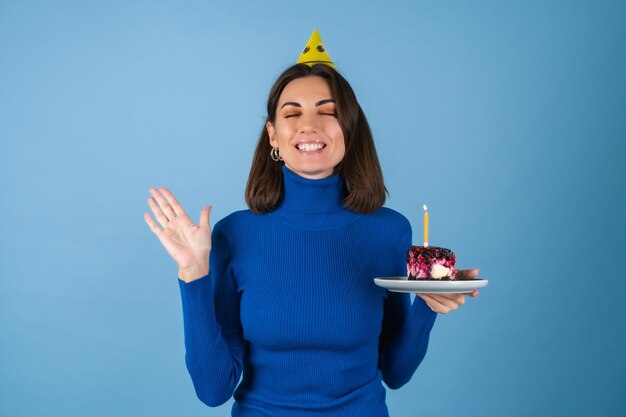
(213, 334)
(406, 327)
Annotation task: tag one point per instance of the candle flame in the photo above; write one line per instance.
(425, 208)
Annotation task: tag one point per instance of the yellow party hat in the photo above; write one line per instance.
(315, 52)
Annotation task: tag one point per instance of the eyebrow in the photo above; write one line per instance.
(319, 103)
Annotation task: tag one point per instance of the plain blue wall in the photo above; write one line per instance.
(506, 118)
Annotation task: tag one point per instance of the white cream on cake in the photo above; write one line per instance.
(439, 271)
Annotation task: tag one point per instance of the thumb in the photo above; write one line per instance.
(467, 273)
(204, 216)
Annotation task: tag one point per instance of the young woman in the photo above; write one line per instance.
(283, 293)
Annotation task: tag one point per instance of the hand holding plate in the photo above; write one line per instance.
(444, 303)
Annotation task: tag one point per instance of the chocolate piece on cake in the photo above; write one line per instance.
(430, 263)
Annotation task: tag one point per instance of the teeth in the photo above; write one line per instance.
(310, 146)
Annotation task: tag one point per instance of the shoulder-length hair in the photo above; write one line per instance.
(364, 188)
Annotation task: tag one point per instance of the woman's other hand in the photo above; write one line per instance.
(444, 303)
(188, 244)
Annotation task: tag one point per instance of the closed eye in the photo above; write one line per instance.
(324, 114)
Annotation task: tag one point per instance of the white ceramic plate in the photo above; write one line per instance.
(403, 284)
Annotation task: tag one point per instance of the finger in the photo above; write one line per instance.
(153, 226)
(178, 209)
(434, 305)
(166, 208)
(204, 216)
(473, 293)
(158, 213)
(452, 301)
(467, 273)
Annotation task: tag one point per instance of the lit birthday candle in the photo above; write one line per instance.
(425, 226)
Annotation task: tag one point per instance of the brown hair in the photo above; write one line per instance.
(360, 169)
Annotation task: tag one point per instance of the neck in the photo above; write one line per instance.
(316, 204)
(304, 195)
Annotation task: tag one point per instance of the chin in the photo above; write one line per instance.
(313, 172)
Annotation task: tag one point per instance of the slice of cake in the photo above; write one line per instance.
(430, 262)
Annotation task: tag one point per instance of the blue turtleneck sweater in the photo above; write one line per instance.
(290, 303)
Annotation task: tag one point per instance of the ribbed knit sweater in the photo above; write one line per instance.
(290, 303)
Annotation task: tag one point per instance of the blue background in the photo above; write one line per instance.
(506, 118)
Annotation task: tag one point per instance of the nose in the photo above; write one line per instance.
(309, 123)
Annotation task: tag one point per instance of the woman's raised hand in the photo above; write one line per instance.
(187, 243)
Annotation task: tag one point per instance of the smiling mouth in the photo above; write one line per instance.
(310, 147)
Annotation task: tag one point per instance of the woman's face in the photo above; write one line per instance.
(307, 132)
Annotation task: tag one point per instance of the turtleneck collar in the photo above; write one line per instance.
(303, 195)
(313, 204)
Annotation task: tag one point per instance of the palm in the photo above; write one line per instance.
(186, 242)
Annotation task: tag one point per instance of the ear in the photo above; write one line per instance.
(272, 134)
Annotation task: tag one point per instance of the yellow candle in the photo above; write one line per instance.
(425, 225)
